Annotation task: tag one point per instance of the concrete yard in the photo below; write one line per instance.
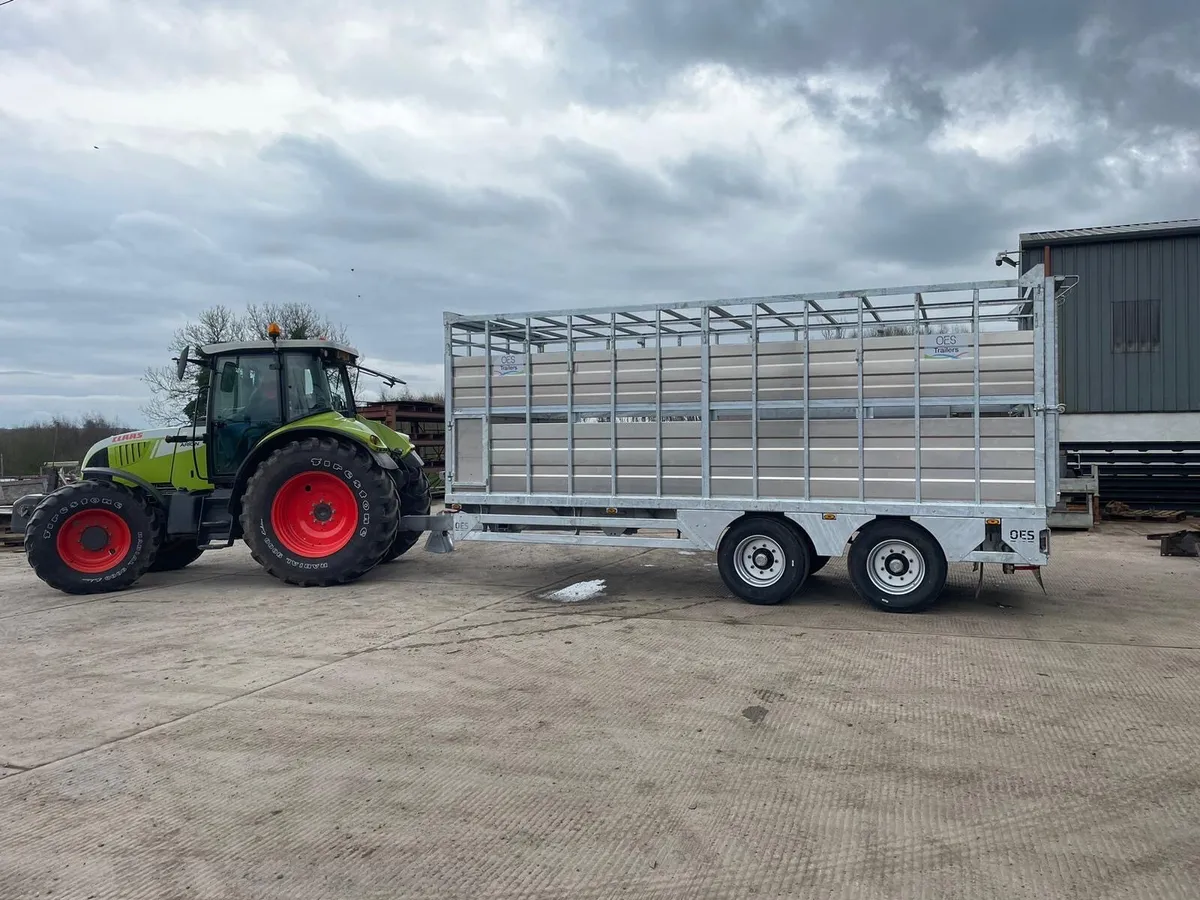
(445, 729)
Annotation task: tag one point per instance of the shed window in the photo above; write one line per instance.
(1136, 326)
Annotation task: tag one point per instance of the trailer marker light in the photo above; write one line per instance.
(828, 517)
(992, 521)
(611, 511)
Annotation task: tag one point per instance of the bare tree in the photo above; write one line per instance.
(173, 402)
(298, 321)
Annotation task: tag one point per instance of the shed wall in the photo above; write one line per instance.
(1100, 378)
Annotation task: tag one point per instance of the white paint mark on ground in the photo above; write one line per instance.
(685, 552)
(574, 593)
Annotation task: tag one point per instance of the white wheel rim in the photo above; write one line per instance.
(896, 567)
(759, 561)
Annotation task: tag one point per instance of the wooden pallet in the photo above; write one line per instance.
(1118, 510)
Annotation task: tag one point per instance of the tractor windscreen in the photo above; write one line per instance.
(315, 385)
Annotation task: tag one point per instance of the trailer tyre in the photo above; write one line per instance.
(897, 566)
(763, 560)
(818, 563)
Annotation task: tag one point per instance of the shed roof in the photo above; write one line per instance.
(1173, 228)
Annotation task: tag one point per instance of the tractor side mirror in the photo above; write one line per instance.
(181, 363)
(229, 377)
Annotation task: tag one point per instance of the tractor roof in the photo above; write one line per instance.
(266, 346)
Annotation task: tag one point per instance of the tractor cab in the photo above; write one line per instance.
(257, 387)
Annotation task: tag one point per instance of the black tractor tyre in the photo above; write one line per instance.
(91, 537)
(174, 555)
(818, 563)
(763, 560)
(897, 566)
(415, 500)
(319, 512)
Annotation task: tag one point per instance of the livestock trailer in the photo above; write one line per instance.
(905, 427)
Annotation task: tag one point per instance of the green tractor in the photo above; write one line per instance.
(276, 456)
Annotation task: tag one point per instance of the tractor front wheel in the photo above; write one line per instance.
(91, 537)
(319, 512)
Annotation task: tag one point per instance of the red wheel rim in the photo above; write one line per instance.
(94, 541)
(314, 514)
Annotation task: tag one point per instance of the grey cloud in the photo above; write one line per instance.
(920, 43)
(357, 203)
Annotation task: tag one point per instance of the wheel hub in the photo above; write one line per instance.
(896, 567)
(314, 514)
(94, 538)
(759, 561)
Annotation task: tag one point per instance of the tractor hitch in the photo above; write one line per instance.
(439, 528)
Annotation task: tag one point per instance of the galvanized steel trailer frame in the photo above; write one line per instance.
(972, 529)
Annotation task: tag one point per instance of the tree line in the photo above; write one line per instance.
(25, 448)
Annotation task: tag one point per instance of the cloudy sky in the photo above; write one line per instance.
(159, 156)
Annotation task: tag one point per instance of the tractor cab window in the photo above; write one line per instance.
(315, 385)
(245, 407)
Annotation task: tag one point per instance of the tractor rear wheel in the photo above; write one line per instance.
(319, 512)
(175, 555)
(413, 487)
(91, 537)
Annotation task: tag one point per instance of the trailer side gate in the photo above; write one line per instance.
(909, 427)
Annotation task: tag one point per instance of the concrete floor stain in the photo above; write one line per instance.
(755, 714)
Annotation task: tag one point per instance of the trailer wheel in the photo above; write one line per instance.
(763, 560)
(897, 566)
(818, 563)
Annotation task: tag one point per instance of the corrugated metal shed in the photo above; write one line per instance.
(1130, 330)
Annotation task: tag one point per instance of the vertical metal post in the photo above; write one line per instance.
(978, 339)
(1039, 411)
(1050, 363)
(570, 404)
(754, 401)
(658, 403)
(487, 405)
(448, 415)
(705, 407)
(862, 446)
(806, 442)
(528, 408)
(917, 397)
(613, 401)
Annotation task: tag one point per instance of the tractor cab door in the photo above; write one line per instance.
(245, 406)
(316, 383)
